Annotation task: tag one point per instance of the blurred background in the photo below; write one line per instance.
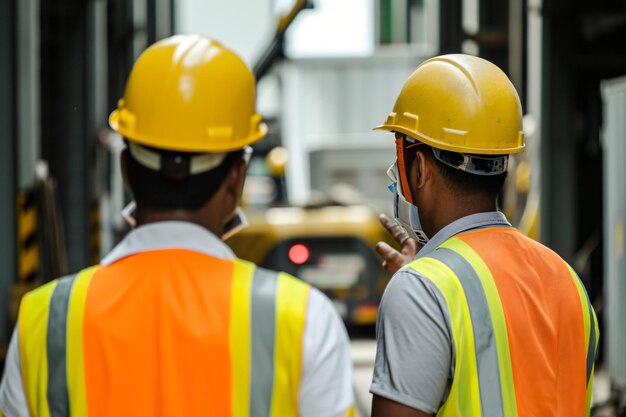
(327, 71)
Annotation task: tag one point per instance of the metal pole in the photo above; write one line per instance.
(559, 228)
(516, 45)
(164, 19)
(534, 94)
(97, 81)
(151, 21)
(66, 110)
(450, 27)
(140, 26)
(28, 94)
(8, 269)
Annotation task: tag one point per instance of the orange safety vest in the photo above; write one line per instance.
(164, 333)
(524, 332)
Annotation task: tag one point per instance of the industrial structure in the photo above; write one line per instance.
(63, 64)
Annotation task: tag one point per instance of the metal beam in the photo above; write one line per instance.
(140, 16)
(559, 229)
(172, 16)
(159, 20)
(8, 270)
(451, 33)
(151, 21)
(517, 45)
(66, 140)
(28, 94)
(97, 63)
(164, 18)
(119, 46)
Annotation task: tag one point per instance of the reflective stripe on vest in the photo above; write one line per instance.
(46, 342)
(61, 349)
(267, 310)
(486, 381)
(591, 335)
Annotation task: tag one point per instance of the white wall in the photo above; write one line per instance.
(333, 28)
(334, 103)
(246, 26)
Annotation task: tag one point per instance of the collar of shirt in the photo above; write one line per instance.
(169, 235)
(471, 222)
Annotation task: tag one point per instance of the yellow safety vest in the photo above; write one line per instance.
(143, 337)
(524, 332)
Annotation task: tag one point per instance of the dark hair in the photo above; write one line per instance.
(152, 189)
(464, 183)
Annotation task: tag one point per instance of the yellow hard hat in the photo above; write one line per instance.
(189, 93)
(459, 103)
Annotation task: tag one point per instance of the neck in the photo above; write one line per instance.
(200, 217)
(459, 207)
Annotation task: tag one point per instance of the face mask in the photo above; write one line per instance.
(405, 213)
(129, 213)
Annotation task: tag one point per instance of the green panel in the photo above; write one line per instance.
(385, 21)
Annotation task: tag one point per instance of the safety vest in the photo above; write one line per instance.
(143, 337)
(524, 331)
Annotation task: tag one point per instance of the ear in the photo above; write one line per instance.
(236, 178)
(422, 169)
(419, 174)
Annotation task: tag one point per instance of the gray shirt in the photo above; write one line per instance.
(415, 351)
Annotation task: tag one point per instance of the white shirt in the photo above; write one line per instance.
(326, 384)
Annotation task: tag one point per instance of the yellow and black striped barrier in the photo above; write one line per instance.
(27, 242)
(27, 249)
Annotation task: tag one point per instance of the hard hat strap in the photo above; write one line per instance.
(401, 151)
(404, 182)
(473, 164)
(483, 165)
(175, 165)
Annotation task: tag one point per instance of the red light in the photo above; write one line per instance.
(299, 254)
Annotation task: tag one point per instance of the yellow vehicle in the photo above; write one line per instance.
(330, 247)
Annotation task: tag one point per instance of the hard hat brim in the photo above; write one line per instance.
(448, 147)
(209, 146)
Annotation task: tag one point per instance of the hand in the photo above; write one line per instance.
(392, 259)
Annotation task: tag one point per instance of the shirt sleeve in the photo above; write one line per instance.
(326, 384)
(415, 352)
(12, 398)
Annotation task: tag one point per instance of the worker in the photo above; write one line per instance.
(171, 323)
(483, 321)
